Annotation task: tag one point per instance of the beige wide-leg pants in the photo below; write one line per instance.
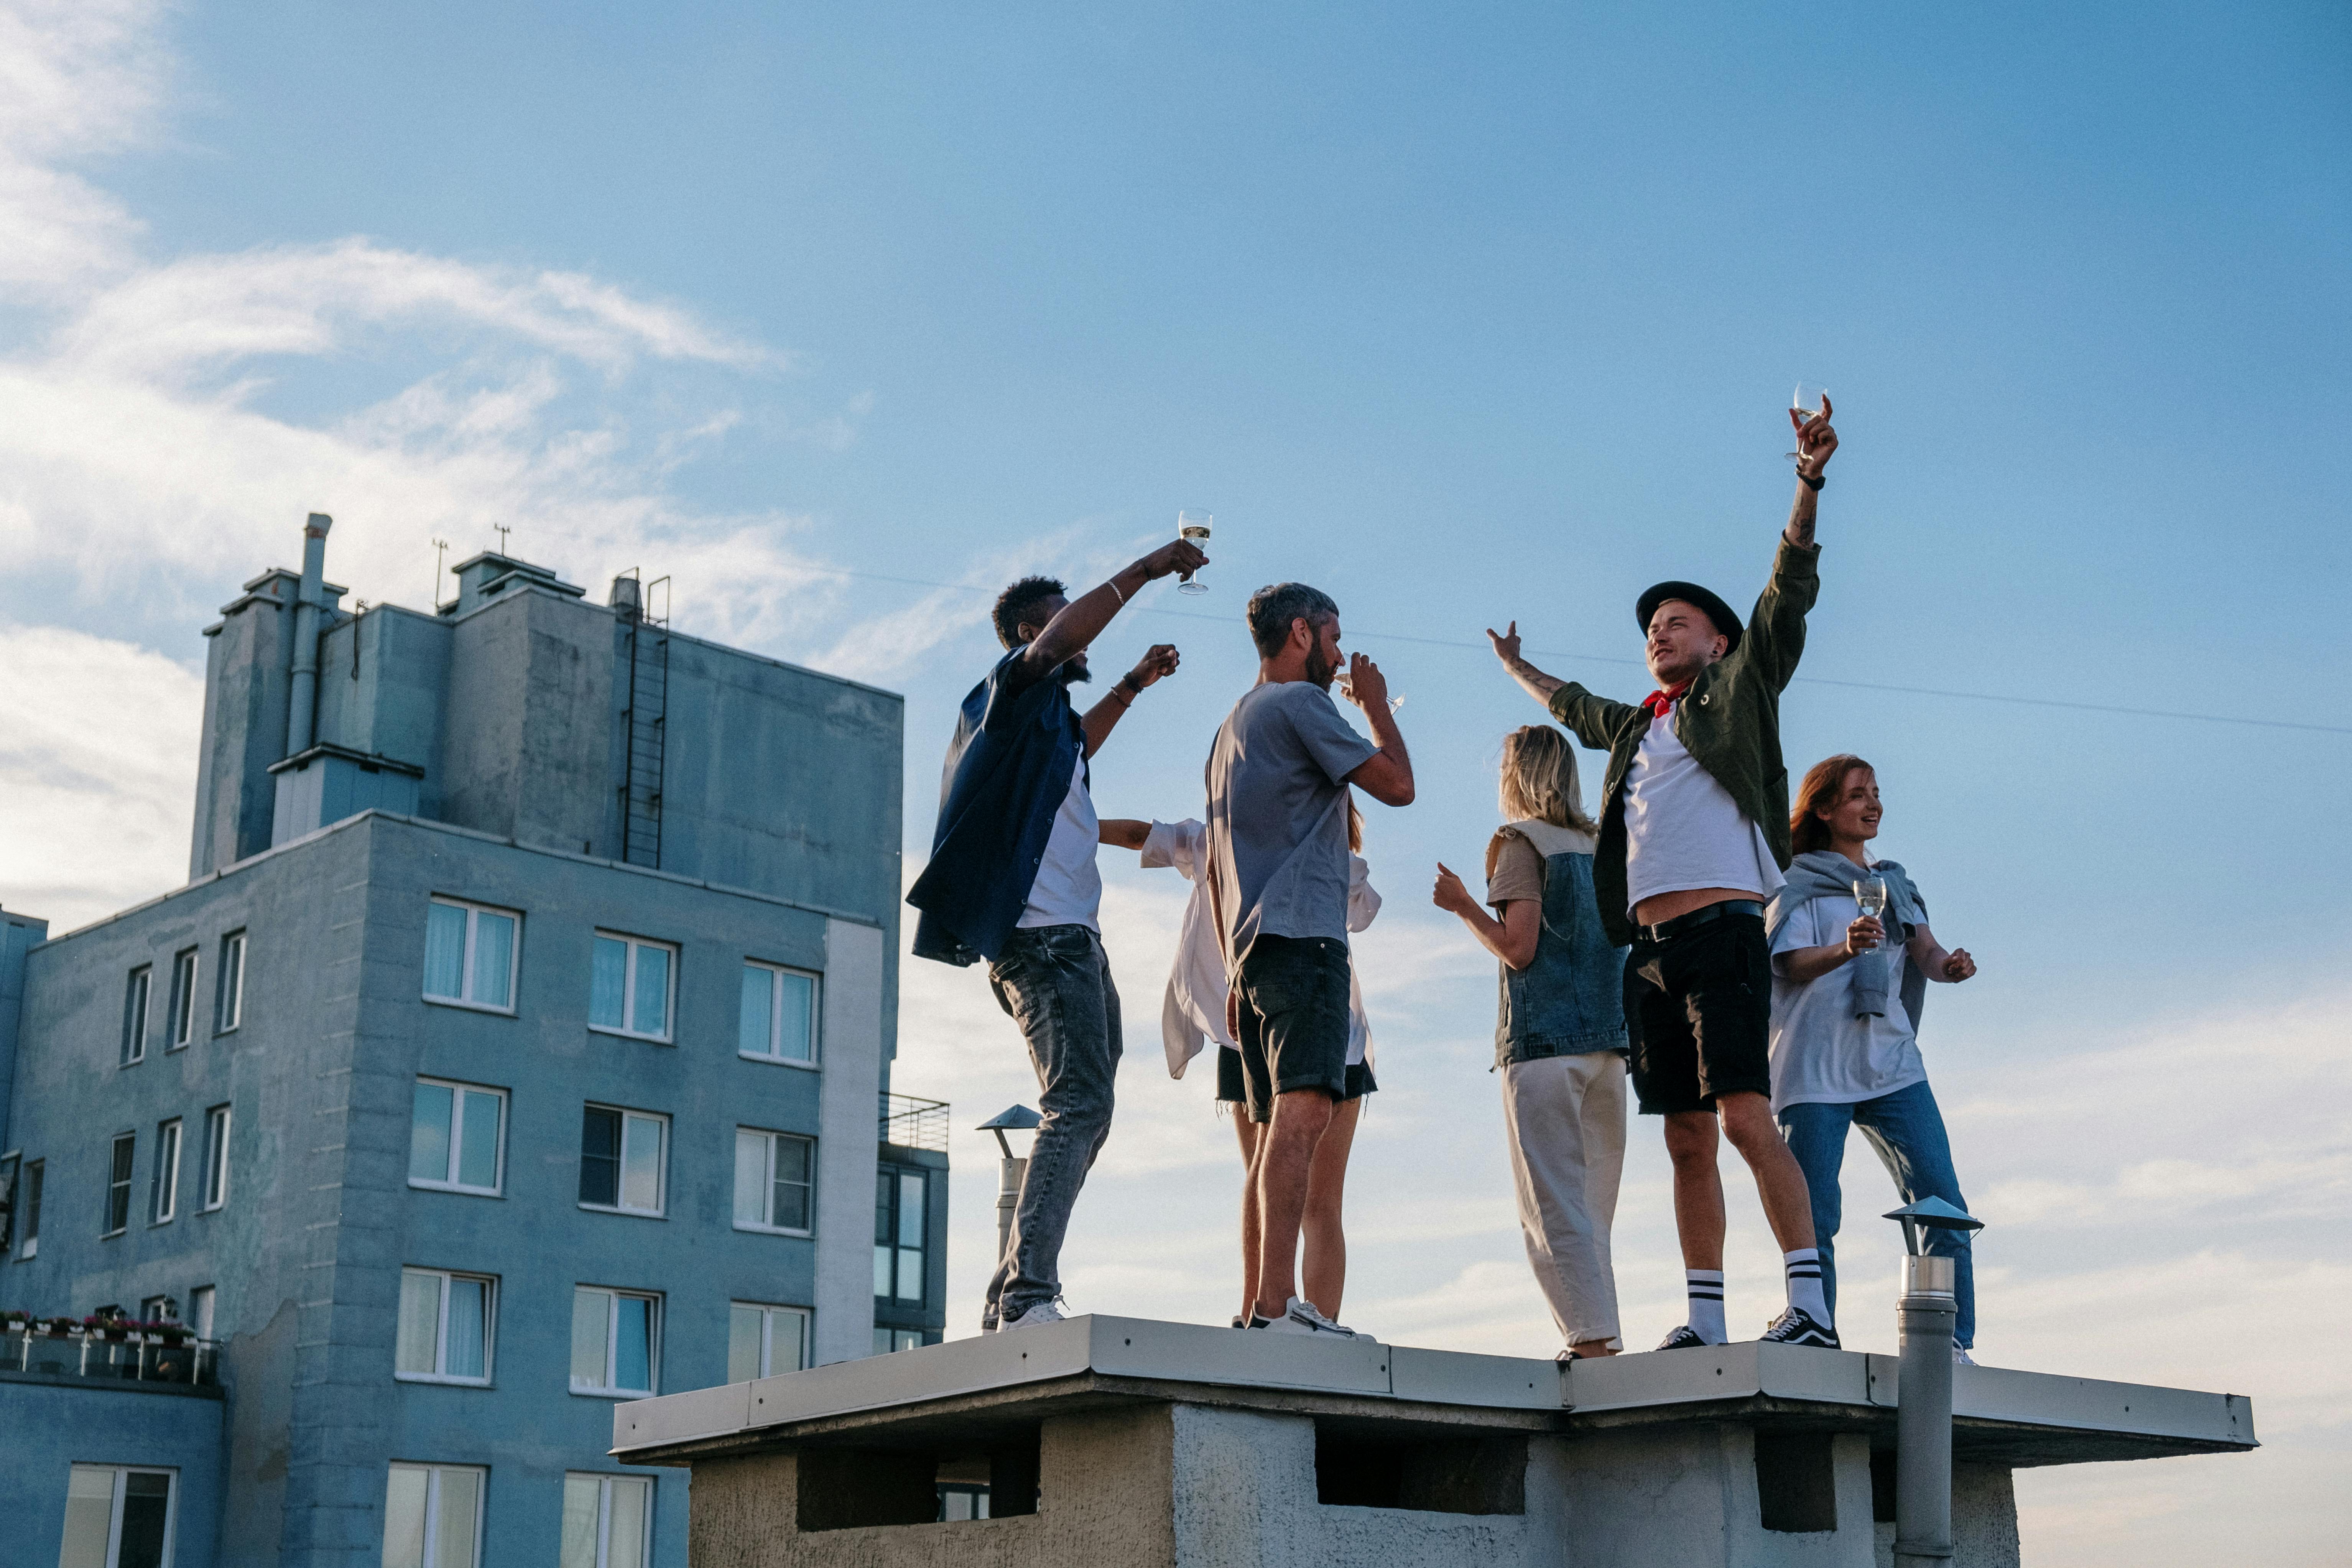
(1566, 1120)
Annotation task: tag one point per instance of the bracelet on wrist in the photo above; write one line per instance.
(1811, 481)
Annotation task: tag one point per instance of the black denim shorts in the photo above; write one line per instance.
(1230, 1090)
(1294, 1018)
(1698, 1015)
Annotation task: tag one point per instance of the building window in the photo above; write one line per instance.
(135, 997)
(888, 1340)
(200, 1312)
(607, 1521)
(180, 1026)
(432, 1515)
(215, 1158)
(779, 1023)
(621, 1160)
(629, 986)
(11, 1195)
(446, 1326)
(228, 999)
(27, 1214)
(616, 1340)
(117, 1517)
(899, 1229)
(158, 1310)
(773, 1175)
(469, 954)
(457, 1139)
(164, 1185)
(118, 1183)
(762, 1341)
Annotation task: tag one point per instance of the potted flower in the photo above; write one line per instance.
(14, 1322)
(170, 1333)
(114, 1329)
(60, 1327)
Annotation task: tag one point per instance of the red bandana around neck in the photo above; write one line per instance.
(1657, 702)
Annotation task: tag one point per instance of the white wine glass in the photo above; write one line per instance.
(1806, 402)
(1193, 526)
(1869, 893)
(1348, 690)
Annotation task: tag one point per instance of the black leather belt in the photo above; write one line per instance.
(1698, 918)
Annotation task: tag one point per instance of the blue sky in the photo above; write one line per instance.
(1459, 317)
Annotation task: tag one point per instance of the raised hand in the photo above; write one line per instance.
(1162, 659)
(1507, 643)
(1815, 440)
(1364, 685)
(1180, 556)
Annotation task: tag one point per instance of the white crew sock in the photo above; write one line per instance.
(1705, 1288)
(1804, 1266)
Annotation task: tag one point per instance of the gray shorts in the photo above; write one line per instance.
(1294, 1019)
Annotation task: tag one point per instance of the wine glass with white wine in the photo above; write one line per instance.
(1807, 403)
(1193, 526)
(1869, 893)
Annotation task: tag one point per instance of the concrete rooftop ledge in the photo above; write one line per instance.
(972, 1390)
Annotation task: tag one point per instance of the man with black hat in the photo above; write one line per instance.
(1694, 837)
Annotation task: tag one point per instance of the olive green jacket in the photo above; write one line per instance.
(1729, 719)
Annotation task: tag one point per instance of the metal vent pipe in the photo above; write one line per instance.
(302, 702)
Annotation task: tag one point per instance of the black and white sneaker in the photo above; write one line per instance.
(1797, 1327)
(1682, 1339)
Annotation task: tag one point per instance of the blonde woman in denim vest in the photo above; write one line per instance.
(1559, 1032)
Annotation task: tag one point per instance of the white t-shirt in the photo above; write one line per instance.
(1193, 1007)
(1820, 1051)
(1068, 888)
(1683, 829)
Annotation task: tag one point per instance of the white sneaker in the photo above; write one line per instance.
(1962, 1358)
(1042, 1312)
(1301, 1318)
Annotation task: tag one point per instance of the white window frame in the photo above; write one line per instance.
(129, 1179)
(613, 1296)
(603, 1481)
(169, 1313)
(629, 987)
(31, 1176)
(774, 1053)
(474, 912)
(202, 1302)
(228, 1006)
(767, 1226)
(621, 1176)
(214, 1196)
(138, 998)
(164, 1185)
(456, 1089)
(433, 1474)
(490, 1284)
(123, 1473)
(180, 1025)
(769, 1311)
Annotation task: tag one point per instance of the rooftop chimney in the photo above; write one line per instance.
(627, 597)
(302, 702)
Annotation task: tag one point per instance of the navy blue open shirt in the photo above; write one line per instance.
(1007, 770)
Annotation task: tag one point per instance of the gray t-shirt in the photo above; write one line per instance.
(1279, 815)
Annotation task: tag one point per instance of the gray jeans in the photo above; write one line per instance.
(1055, 982)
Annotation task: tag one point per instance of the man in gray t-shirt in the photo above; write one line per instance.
(1278, 835)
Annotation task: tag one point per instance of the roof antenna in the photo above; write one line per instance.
(440, 554)
(503, 530)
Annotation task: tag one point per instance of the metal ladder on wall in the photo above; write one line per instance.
(646, 719)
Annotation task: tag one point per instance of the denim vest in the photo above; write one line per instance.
(1570, 999)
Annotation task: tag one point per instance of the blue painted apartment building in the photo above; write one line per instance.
(519, 1044)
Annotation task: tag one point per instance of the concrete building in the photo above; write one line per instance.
(1101, 1440)
(519, 1045)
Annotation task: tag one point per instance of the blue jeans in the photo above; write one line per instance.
(1055, 982)
(1907, 1130)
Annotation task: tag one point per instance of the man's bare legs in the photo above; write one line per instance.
(1323, 1242)
(1746, 1123)
(1251, 1135)
(1286, 1157)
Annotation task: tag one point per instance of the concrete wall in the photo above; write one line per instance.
(306, 1255)
(53, 1425)
(248, 662)
(18, 935)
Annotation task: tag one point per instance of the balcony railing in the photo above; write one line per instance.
(109, 1355)
(913, 1123)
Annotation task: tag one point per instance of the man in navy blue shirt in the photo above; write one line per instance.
(1011, 879)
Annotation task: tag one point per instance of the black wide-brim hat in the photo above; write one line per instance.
(1725, 622)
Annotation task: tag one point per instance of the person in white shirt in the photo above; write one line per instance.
(1845, 1018)
(1192, 1012)
(1692, 841)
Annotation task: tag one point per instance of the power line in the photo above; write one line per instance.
(1605, 658)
